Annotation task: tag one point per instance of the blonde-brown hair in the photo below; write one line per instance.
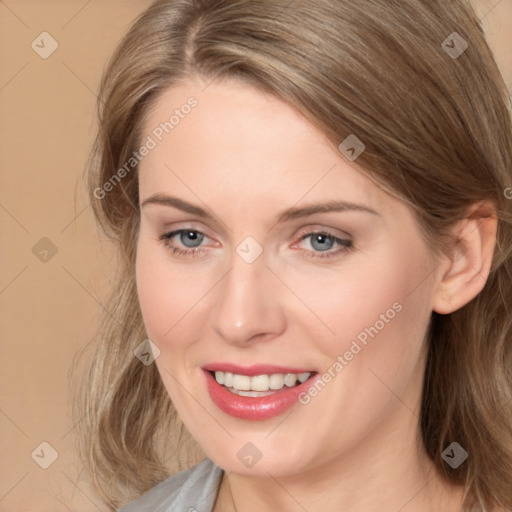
(437, 132)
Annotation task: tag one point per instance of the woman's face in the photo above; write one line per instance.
(345, 295)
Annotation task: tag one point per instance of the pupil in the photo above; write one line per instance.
(321, 239)
(191, 236)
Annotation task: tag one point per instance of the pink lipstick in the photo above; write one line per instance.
(273, 402)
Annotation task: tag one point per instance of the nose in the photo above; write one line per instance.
(248, 306)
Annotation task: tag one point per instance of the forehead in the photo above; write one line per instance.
(241, 144)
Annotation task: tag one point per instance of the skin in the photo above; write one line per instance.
(245, 156)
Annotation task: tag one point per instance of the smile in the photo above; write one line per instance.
(243, 384)
(257, 396)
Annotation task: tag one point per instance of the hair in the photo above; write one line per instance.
(437, 131)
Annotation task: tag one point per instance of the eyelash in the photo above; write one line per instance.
(345, 245)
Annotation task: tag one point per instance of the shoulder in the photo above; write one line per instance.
(193, 490)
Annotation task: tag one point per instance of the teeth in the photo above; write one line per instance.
(228, 379)
(241, 382)
(276, 381)
(244, 383)
(252, 394)
(290, 379)
(303, 377)
(259, 383)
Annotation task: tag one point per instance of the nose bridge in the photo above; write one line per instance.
(248, 301)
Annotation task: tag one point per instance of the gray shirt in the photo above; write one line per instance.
(193, 490)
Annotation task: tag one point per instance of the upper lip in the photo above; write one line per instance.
(254, 369)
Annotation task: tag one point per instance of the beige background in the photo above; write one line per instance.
(48, 309)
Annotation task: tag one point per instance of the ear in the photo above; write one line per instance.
(463, 274)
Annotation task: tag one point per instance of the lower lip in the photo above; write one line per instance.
(255, 408)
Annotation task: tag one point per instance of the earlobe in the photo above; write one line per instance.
(464, 273)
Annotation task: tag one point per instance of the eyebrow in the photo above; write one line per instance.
(286, 215)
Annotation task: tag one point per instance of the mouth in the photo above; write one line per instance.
(253, 394)
(259, 385)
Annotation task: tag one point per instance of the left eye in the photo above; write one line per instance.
(322, 243)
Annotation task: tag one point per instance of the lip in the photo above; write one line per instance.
(255, 408)
(252, 370)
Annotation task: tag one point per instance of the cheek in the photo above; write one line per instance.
(351, 300)
(379, 326)
(378, 312)
(166, 295)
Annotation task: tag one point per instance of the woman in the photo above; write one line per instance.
(311, 204)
